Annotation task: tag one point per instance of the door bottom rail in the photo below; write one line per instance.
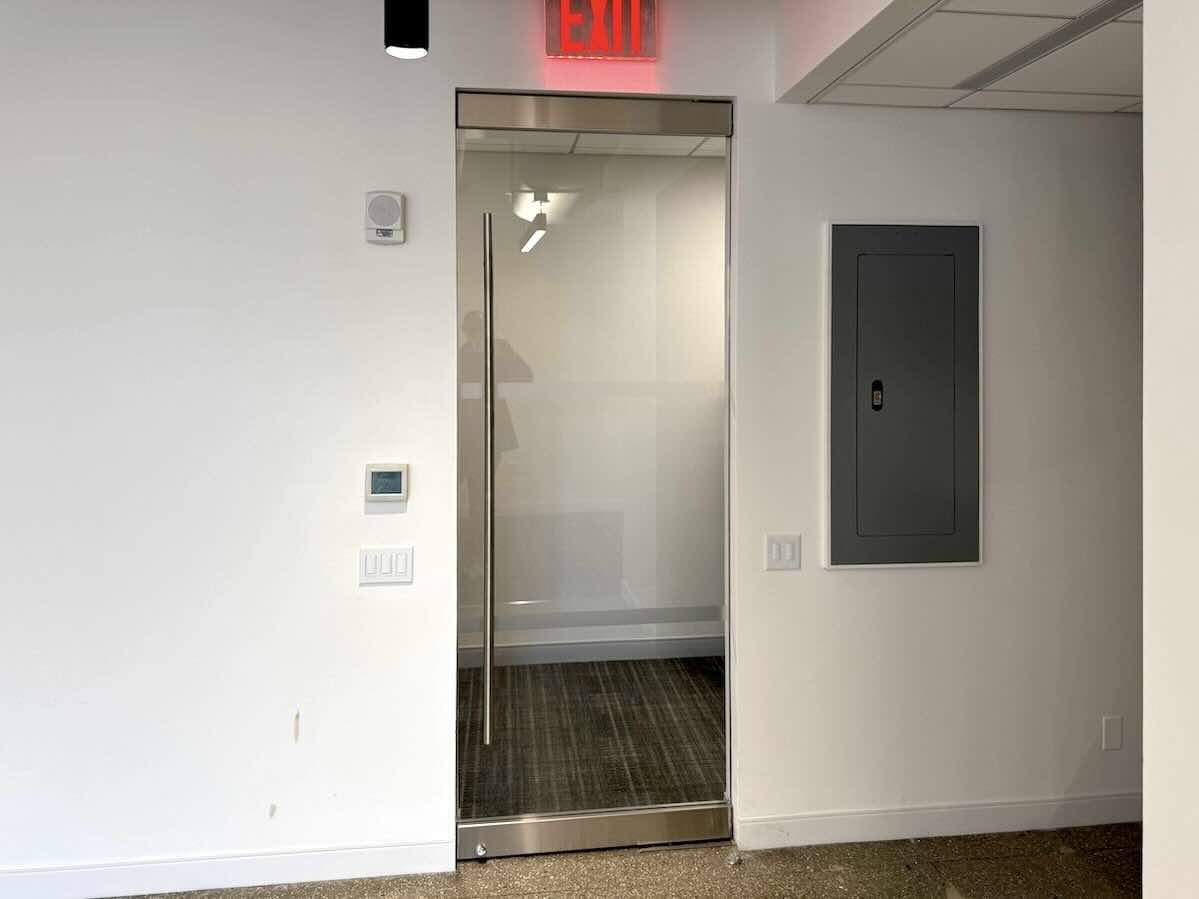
(650, 826)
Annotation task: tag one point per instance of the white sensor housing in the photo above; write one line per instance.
(384, 217)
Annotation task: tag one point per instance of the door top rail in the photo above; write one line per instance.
(620, 115)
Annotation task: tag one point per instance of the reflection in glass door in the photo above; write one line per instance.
(592, 488)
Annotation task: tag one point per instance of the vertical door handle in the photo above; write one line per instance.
(488, 479)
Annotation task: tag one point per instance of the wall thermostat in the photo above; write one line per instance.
(384, 217)
(386, 483)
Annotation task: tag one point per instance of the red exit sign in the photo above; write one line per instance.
(601, 29)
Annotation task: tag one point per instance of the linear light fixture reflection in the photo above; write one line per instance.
(537, 230)
(406, 28)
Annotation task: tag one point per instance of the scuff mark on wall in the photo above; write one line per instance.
(295, 728)
(274, 808)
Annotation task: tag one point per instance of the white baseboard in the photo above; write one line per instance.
(177, 875)
(909, 822)
(767, 832)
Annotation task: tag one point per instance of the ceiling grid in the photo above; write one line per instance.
(1046, 55)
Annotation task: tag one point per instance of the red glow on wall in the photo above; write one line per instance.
(601, 29)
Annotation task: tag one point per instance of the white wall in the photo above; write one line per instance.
(199, 355)
(891, 690)
(1171, 448)
(197, 366)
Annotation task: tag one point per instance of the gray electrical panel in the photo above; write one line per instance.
(904, 404)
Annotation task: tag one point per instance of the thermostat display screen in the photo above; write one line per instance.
(387, 483)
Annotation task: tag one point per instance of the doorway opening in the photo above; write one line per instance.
(593, 441)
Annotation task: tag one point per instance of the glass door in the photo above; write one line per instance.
(592, 479)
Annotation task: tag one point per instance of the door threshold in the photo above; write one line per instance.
(650, 826)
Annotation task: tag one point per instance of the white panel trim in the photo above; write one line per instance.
(913, 821)
(179, 874)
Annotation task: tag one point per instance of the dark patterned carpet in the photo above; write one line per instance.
(592, 735)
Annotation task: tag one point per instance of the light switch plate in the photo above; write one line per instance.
(385, 565)
(1113, 732)
(782, 552)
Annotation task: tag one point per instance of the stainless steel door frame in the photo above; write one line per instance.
(649, 826)
(595, 829)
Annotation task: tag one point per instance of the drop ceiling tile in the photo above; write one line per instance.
(1137, 15)
(946, 48)
(1106, 61)
(515, 141)
(871, 95)
(637, 144)
(1051, 102)
(1067, 8)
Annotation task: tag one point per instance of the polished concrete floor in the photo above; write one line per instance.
(1080, 863)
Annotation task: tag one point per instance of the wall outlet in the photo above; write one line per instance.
(782, 552)
(1113, 732)
(385, 565)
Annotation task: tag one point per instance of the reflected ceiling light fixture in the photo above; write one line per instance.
(406, 28)
(536, 231)
(540, 223)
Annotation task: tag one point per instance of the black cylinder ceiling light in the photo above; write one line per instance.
(406, 28)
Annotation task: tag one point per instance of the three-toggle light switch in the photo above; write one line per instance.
(385, 565)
